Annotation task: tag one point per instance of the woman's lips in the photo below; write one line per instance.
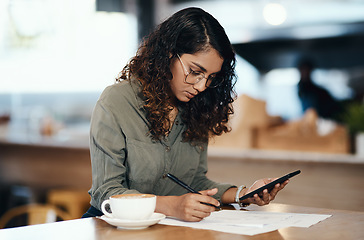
(190, 95)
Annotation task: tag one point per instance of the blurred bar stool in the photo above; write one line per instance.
(31, 214)
(74, 202)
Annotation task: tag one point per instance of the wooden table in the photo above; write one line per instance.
(342, 225)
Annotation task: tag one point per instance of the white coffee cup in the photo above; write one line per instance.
(130, 206)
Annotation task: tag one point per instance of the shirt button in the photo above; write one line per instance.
(168, 149)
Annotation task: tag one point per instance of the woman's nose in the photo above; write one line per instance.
(200, 86)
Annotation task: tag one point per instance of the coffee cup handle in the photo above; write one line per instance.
(104, 203)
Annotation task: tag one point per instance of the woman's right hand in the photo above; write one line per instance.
(188, 207)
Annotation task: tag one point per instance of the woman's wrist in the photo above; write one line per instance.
(230, 195)
(164, 205)
(242, 191)
(238, 193)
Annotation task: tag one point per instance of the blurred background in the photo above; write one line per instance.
(56, 57)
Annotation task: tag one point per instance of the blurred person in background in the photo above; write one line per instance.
(314, 96)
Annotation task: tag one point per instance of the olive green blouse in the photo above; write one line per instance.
(125, 159)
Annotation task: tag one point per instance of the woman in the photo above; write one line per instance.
(168, 101)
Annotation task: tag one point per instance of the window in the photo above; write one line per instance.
(62, 46)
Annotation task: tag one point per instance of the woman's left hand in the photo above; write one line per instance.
(266, 197)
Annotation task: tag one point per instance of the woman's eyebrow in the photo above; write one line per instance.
(198, 65)
(202, 68)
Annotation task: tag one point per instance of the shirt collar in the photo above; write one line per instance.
(137, 86)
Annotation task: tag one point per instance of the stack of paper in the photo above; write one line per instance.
(249, 222)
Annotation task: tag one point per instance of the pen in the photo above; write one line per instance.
(184, 185)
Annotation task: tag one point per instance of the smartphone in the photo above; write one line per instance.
(270, 185)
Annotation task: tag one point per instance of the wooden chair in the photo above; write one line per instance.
(36, 214)
(74, 202)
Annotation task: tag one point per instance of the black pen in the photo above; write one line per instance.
(184, 185)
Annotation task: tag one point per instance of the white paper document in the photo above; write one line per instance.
(249, 222)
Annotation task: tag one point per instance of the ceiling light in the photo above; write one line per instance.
(274, 14)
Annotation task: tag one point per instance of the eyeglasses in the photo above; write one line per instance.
(193, 77)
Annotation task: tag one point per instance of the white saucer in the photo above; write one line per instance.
(134, 224)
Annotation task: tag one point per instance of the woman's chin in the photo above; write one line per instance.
(184, 99)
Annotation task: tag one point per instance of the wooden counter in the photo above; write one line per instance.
(327, 180)
(333, 181)
(45, 167)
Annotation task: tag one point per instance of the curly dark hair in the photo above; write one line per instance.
(190, 30)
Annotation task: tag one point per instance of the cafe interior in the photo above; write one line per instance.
(56, 57)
